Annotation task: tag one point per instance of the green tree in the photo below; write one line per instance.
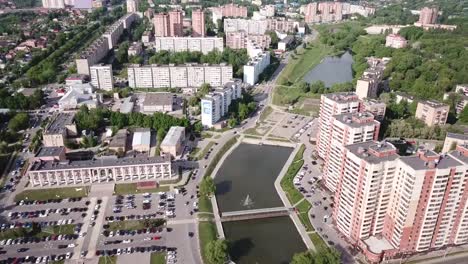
(304, 87)
(274, 39)
(18, 122)
(216, 251)
(207, 186)
(463, 116)
(232, 122)
(204, 89)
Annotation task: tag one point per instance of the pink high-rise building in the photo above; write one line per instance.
(232, 10)
(428, 16)
(323, 12)
(198, 23)
(176, 23)
(239, 40)
(161, 25)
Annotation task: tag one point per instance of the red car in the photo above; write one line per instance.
(156, 238)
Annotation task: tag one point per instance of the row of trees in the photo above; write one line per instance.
(322, 256)
(21, 102)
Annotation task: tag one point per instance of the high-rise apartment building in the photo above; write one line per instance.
(200, 44)
(255, 67)
(215, 105)
(240, 39)
(373, 106)
(428, 16)
(161, 25)
(258, 27)
(102, 77)
(133, 6)
(198, 23)
(330, 105)
(176, 23)
(346, 129)
(323, 12)
(432, 112)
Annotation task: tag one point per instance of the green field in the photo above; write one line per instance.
(131, 188)
(318, 242)
(158, 258)
(207, 232)
(204, 205)
(53, 193)
(303, 214)
(135, 224)
(108, 260)
(292, 193)
(28, 232)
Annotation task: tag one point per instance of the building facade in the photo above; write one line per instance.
(173, 143)
(255, 67)
(133, 6)
(102, 77)
(239, 40)
(323, 12)
(395, 41)
(432, 112)
(428, 16)
(53, 4)
(161, 25)
(198, 23)
(176, 23)
(59, 129)
(171, 76)
(200, 44)
(215, 105)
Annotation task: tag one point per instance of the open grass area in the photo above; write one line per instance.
(29, 232)
(306, 59)
(207, 232)
(219, 155)
(303, 214)
(318, 242)
(108, 260)
(206, 135)
(158, 258)
(193, 155)
(131, 188)
(135, 224)
(286, 95)
(204, 204)
(265, 113)
(205, 150)
(278, 139)
(292, 193)
(53, 193)
(252, 136)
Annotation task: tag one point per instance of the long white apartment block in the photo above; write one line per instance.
(200, 44)
(102, 77)
(215, 105)
(346, 129)
(172, 76)
(250, 26)
(255, 67)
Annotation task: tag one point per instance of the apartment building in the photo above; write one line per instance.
(428, 15)
(198, 23)
(346, 129)
(363, 10)
(78, 95)
(259, 27)
(255, 67)
(375, 107)
(114, 32)
(161, 25)
(176, 23)
(102, 170)
(363, 191)
(228, 10)
(102, 77)
(432, 112)
(133, 6)
(171, 76)
(215, 105)
(395, 41)
(323, 12)
(330, 105)
(200, 44)
(53, 4)
(452, 140)
(135, 49)
(92, 55)
(267, 11)
(239, 40)
(59, 129)
(368, 84)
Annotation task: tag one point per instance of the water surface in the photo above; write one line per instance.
(332, 70)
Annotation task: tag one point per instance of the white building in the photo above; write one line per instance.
(53, 4)
(395, 41)
(141, 140)
(177, 44)
(173, 142)
(133, 6)
(255, 67)
(158, 102)
(102, 77)
(170, 76)
(215, 105)
(78, 95)
(135, 49)
(251, 27)
(92, 55)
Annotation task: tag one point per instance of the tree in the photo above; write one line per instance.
(321, 256)
(232, 122)
(216, 251)
(207, 186)
(302, 258)
(304, 87)
(463, 116)
(204, 89)
(18, 122)
(274, 39)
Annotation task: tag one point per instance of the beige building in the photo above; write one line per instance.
(118, 142)
(240, 39)
(170, 76)
(102, 170)
(133, 6)
(158, 102)
(59, 129)
(452, 140)
(198, 23)
(178, 44)
(135, 49)
(259, 27)
(173, 142)
(375, 107)
(102, 77)
(161, 25)
(368, 84)
(432, 112)
(175, 23)
(141, 140)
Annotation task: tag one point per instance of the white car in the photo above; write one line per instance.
(119, 251)
(71, 245)
(126, 241)
(68, 255)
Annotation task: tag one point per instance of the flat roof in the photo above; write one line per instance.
(457, 136)
(342, 97)
(158, 99)
(173, 136)
(119, 139)
(361, 150)
(59, 122)
(141, 137)
(360, 119)
(445, 162)
(378, 245)
(433, 103)
(96, 163)
(49, 151)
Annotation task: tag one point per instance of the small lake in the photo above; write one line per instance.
(270, 240)
(332, 70)
(246, 178)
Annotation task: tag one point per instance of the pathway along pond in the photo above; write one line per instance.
(246, 181)
(332, 70)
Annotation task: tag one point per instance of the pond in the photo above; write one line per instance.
(269, 240)
(246, 178)
(332, 70)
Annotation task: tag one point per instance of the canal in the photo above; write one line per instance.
(246, 181)
(332, 70)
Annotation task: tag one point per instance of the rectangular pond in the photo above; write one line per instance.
(246, 178)
(270, 240)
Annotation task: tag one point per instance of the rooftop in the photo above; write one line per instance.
(342, 97)
(457, 136)
(158, 99)
(141, 136)
(424, 161)
(49, 151)
(119, 139)
(378, 245)
(374, 151)
(173, 136)
(96, 163)
(356, 119)
(433, 103)
(59, 123)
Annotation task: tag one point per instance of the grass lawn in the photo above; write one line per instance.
(278, 139)
(265, 113)
(131, 188)
(47, 231)
(318, 241)
(57, 262)
(304, 61)
(204, 205)
(53, 193)
(252, 132)
(207, 232)
(108, 260)
(252, 136)
(206, 135)
(158, 258)
(292, 193)
(135, 224)
(194, 153)
(205, 150)
(303, 208)
(285, 95)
